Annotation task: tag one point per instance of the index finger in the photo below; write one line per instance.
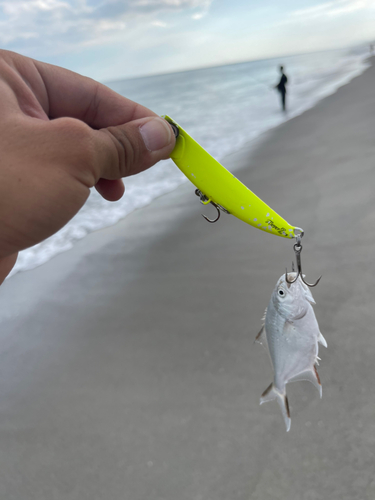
(76, 96)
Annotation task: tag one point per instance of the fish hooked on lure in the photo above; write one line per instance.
(291, 333)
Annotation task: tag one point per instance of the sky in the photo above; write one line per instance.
(114, 39)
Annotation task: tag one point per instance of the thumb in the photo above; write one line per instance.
(131, 148)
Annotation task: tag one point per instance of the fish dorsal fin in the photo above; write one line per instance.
(264, 316)
(311, 376)
(261, 336)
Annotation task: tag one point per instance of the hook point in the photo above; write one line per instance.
(311, 285)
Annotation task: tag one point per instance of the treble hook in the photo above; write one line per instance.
(204, 198)
(297, 247)
(218, 214)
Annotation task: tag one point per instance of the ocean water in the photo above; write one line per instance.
(223, 108)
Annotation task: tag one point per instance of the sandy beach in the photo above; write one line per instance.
(128, 364)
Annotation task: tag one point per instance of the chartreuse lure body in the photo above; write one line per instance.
(218, 186)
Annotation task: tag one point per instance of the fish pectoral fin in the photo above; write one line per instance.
(272, 393)
(311, 376)
(322, 340)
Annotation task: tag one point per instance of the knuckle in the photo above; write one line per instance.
(78, 147)
(79, 136)
(92, 110)
(73, 127)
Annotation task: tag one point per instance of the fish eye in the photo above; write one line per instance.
(281, 292)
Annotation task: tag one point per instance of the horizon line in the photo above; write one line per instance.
(228, 64)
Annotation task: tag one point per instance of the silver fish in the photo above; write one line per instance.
(291, 333)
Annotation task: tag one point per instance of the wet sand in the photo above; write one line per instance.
(128, 368)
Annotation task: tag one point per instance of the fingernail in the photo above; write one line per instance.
(156, 134)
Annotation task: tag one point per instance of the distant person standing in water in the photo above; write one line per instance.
(281, 86)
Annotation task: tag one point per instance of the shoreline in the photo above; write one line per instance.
(128, 363)
(84, 223)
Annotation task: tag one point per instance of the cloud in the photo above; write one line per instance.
(57, 26)
(160, 24)
(16, 8)
(331, 9)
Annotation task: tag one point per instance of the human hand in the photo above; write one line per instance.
(60, 135)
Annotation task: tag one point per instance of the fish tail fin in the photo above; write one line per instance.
(272, 393)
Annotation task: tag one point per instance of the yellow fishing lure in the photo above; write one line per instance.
(216, 185)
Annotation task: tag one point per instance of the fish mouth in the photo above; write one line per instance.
(290, 277)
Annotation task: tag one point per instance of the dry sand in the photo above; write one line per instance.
(128, 368)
